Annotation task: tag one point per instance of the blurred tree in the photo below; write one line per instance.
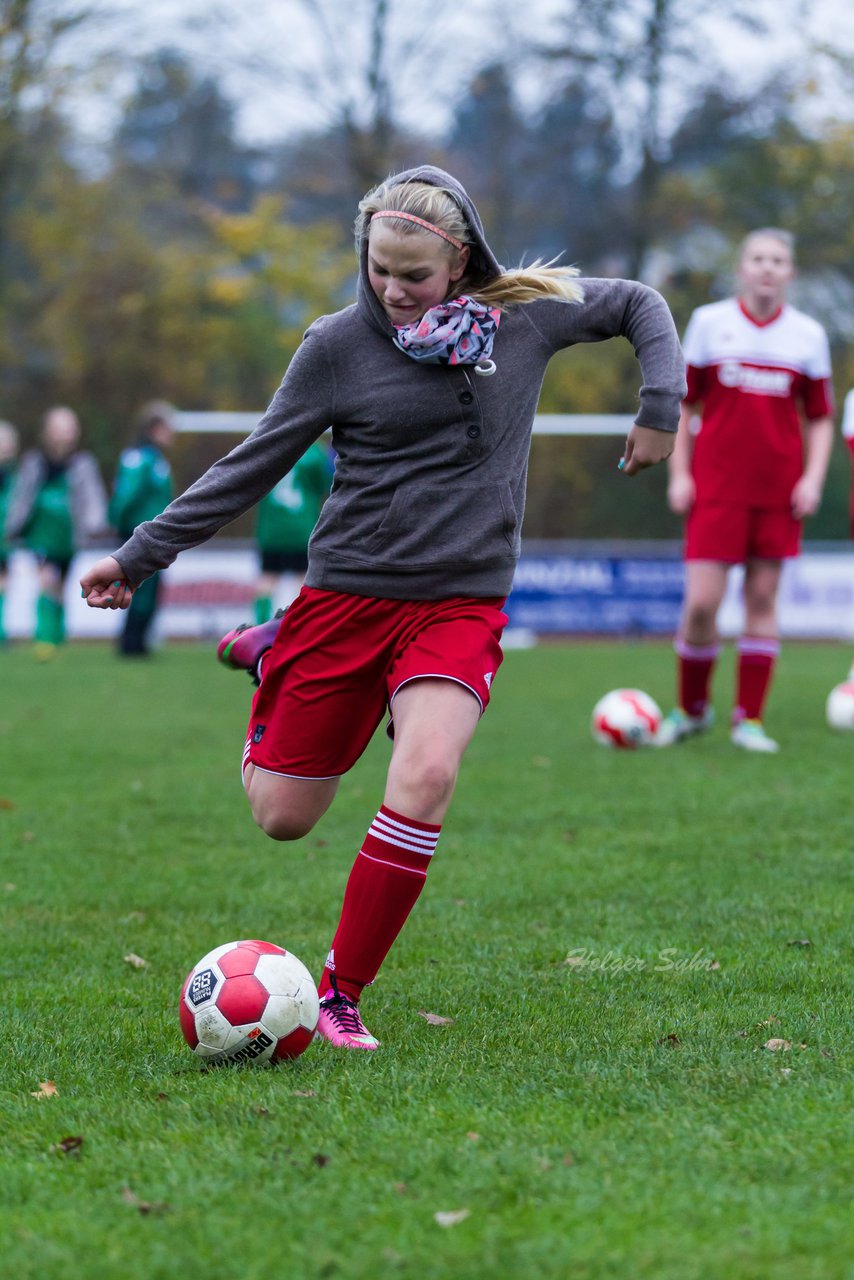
(177, 137)
(639, 56)
(113, 316)
(486, 151)
(574, 197)
(32, 35)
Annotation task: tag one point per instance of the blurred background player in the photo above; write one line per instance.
(57, 504)
(848, 435)
(759, 374)
(142, 489)
(286, 517)
(8, 461)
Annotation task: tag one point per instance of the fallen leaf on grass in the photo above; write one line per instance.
(69, 1146)
(320, 1159)
(144, 1206)
(473, 1137)
(451, 1217)
(435, 1019)
(672, 1039)
(46, 1089)
(825, 1053)
(305, 1093)
(799, 942)
(775, 1046)
(716, 964)
(768, 1021)
(401, 1188)
(135, 961)
(6, 804)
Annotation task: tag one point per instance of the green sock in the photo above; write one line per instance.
(263, 609)
(50, 621)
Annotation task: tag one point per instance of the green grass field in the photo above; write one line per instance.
(617, 1117)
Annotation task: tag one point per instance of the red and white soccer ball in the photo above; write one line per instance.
(625, 718)
(840, 706)
(248, 1002)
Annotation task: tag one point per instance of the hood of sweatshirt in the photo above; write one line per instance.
(482, 257)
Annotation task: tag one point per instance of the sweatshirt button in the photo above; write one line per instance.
(466, 397)
(473, 433)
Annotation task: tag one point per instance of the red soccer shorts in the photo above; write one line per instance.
(737, 534)
(338, 660)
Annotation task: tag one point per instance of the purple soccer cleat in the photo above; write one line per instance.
(244, 647)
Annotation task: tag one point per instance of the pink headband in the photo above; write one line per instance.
(428, 226)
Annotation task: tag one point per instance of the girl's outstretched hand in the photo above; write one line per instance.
(104, 586)
(645, 447)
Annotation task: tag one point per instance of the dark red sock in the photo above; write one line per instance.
(695, 666)
(756, 658)
(387, 877)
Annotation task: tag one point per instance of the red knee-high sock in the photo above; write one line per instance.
(387, 877)
(695, 664)
(756, 658)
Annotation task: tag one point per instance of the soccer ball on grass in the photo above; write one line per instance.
(248, 1002)
(840, 706)
(625, 718)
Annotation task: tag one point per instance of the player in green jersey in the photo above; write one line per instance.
(8, 459)
(286, 518)
(57, 504)
(142, 489)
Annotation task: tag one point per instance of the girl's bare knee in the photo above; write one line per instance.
(280, 825)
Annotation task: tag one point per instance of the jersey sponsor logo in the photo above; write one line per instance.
(260, 730)
(202, 987)
(487, 679)
(762, 382)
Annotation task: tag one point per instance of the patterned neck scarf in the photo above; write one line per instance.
(457, 332)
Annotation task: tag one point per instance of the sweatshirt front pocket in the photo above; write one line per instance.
(448, 524)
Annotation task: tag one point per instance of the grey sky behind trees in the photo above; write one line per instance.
(304, 62)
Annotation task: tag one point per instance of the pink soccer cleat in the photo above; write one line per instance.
(244, 647)
(340, 1023)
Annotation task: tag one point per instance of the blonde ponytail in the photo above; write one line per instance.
(528, 284)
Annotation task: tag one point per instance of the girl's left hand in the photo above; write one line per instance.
(644, 448)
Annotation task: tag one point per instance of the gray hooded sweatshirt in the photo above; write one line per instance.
(429, 488)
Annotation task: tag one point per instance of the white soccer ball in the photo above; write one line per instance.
(625, 718)
(840, 706)
(248, 1002)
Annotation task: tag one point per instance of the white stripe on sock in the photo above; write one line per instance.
(387, 829)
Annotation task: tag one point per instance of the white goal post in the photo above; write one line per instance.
(545, 424)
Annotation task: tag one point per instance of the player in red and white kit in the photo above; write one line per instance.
(759, 375)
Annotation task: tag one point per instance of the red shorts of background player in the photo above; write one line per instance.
(737, 534)
(338, 660)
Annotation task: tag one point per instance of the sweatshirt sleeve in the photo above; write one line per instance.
(302, 408)
(625, 308)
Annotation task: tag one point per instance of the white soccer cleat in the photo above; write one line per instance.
(750, 735)
(677, 726)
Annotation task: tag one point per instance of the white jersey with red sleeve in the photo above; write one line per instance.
(756, 382)
(848, 420)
